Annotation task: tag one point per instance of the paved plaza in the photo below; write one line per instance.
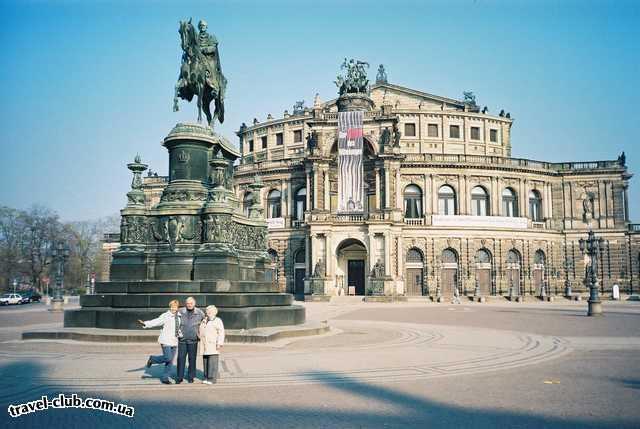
(413, 364)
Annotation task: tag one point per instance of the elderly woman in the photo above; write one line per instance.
(168, 338)
(211, 340)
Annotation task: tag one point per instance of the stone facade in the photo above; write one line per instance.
(518, 238)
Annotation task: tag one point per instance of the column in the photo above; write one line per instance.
(460, 194)
(626, 202)
(387, 200)
(308, 184)
(387, 253)
(327, 190)
(307, 255)
(434, 195)
(284, 208)
(315, 187)
(426, 200)
(398, 190)
(377, 170)
(290, 191)
(329, 257)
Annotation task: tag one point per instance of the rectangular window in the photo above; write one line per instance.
(410, 130)
(432, 130)
(493, 136)
(279, 139)
(297, 136)
(454, 131)
(263, 140)
(250, 145)
(475, 133)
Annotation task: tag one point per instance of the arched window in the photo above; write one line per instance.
(513, 257)
(479, 201)
(299, 258)
(299, 203)
(247, 202)
(274, 204)
(412, 202)
(535, 206)
(449, 256)
(509, 203)
(483, 256)
(414, 256)
(446, 200)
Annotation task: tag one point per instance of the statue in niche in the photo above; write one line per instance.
(588, 203)
(385, 137)
(318, 270)
(378, 269)
(396, 135)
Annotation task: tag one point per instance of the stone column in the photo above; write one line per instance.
(307, 255)
(398, 190)
(426, 201)
(387, 253)
(626, 202)
(315, 187)
(327, 190)
(434, 196)
(377, 170)
(308, 184)
(387, 193)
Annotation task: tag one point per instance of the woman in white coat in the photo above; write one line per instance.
(211, 340)
(168, 338)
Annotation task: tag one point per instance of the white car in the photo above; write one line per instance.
(10, 298)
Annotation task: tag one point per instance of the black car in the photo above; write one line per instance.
(30, 296)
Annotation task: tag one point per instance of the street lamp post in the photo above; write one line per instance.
(591, 248)
(59, 255)
(438, 273)
(568, 266)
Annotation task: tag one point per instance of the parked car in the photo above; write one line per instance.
(30, 296)
(10, 298)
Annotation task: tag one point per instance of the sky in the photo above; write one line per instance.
(87, 85)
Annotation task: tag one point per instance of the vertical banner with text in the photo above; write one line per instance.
(350, 191)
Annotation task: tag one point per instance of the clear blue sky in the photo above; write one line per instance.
(86, 85)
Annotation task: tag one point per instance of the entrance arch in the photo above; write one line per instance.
(513, 272)
(449, 271)
(299, 270)
(414, 273)
(539, 260)
(351, 266)
(483, 271)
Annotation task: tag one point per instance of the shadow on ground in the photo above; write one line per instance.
(23, 381)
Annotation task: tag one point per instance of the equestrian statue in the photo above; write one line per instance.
(200, 73)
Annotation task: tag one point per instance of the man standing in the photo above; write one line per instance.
(189, 319)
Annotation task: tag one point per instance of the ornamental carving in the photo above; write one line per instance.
(183, 195)
(133, 230)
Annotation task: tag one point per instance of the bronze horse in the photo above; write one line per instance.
(198, 79)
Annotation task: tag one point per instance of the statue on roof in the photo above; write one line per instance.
(355, 79)
(200, 73)
(381, 77)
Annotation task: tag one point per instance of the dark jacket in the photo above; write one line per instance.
(189, 322)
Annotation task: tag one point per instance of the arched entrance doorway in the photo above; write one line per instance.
(351, 267)
(449, 272)
(299, 269)
(483, 271)
(414, 273)
(538, 271)
(513, 272)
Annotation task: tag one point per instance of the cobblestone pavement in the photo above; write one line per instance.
(383, 365)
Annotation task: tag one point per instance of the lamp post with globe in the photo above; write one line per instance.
(592, 247)
(59, 255)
